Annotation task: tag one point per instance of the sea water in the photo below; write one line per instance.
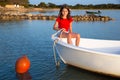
(33, 38)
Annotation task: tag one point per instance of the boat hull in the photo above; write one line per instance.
(89, 12)
(106, 64)
(90, 59)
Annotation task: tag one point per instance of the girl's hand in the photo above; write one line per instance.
(64, 30)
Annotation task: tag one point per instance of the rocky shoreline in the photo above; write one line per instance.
(17, 14)
(27, 16)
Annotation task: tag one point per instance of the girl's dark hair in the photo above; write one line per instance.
(60, 12)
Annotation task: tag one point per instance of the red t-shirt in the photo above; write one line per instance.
(64, 23)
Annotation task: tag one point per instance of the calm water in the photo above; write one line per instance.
(33, 38)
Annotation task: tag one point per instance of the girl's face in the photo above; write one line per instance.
(64, 12)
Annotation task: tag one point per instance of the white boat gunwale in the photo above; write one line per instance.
(84, 49)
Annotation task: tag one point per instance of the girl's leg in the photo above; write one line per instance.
(77, 36)
(77, 39)
(69, 38)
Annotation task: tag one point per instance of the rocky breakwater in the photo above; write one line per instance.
(92, 18)
(28, 16)
(24, 16)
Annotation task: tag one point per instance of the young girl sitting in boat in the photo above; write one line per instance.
(64, 22)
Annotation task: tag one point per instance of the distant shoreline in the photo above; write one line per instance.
(23, 14)
(55, 9)
(41, 9)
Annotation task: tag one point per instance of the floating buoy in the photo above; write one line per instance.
(22, 64)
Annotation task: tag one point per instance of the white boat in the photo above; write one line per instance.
(101, 56)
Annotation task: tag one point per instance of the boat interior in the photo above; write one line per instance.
(106, 46)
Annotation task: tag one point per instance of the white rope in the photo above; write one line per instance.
(54, 50)
(54, 45)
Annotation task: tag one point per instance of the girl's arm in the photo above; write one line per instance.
(55, 27)
(71, 27)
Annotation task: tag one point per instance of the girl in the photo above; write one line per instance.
(64, 21)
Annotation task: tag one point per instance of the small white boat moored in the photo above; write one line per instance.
(101, 56)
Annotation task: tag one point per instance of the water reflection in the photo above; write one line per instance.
(73, 73)
(24, 76)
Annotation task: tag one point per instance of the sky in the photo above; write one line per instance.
(73, 2)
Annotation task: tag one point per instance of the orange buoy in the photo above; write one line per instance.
(22, 64)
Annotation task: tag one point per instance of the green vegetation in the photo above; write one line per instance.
(79, 6)
(52, 5)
